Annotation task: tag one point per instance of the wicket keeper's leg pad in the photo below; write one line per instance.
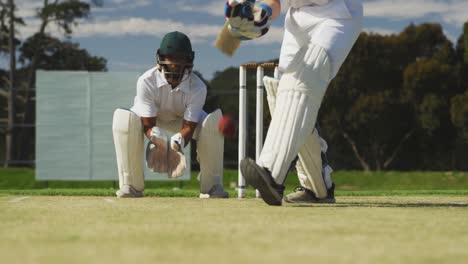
(128, 140)
(210, 151)
(300, 92)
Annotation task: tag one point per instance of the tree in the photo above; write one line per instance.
(7, 34)
(361, 113)
(459, 103)
(465, 42)
(63, 55)
(65, 14)
(459, 114)
(5, 25)
(375, 110)
(55, 54)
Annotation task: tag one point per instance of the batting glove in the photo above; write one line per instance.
(247, 19)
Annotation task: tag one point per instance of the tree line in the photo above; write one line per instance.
(38, 51)
(399, 102)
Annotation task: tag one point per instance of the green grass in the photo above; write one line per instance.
(415, 180)
(379, 217)
(160, 192)
(408, 229)
(22, 181)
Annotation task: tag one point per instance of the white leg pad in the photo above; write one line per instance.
(128, 141)
(300, 93)
(271, 87)
(210, 151)
(309, 166)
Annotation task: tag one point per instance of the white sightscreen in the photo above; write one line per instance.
(74, 124)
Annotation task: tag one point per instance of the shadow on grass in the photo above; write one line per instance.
(384, 204)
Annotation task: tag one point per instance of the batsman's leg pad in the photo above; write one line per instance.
(210, 151)
(271, 87)
(310, 168)
(312, 174)
(128, 140)
(300, 92)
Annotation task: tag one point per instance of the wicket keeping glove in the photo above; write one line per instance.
(176, 158)
(247, 19)
(156, 151)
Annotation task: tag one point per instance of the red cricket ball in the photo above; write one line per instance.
(227, 126)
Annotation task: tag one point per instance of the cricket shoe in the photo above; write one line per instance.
(261, 179)
(304, 195)
(216, 191)
(127, 191)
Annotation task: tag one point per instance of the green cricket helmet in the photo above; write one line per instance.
(175, 57)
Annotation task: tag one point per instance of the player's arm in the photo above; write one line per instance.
(193, 111)
(188, 128)
(275, 6)
(148, 124)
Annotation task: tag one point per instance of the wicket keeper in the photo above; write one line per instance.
(169, 97)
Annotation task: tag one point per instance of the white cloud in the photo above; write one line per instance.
(402, 8)
(27, 8)
(110, 6)
(213, 8)
(159, 27)
(123, 65)
(32, 26)
(450, 11)
(146, 27)
(120, 26)
(457, 15)
(105, 27)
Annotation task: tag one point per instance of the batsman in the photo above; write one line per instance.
(318, 35)
(168, 110)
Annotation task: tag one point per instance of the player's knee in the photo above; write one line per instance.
(125, 121)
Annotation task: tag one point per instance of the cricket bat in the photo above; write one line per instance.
(225, 42)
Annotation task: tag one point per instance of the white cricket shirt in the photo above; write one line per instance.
(155, 97)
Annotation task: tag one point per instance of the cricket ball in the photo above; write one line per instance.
(227, 126)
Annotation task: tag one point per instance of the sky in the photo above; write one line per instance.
(128, 32)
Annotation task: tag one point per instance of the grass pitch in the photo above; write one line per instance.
(358, 229)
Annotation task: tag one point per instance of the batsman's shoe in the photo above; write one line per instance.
(304, 195)
(216, 191)
(127, 191)
(261, 179)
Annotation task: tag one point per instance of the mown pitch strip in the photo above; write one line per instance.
(383, 229)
